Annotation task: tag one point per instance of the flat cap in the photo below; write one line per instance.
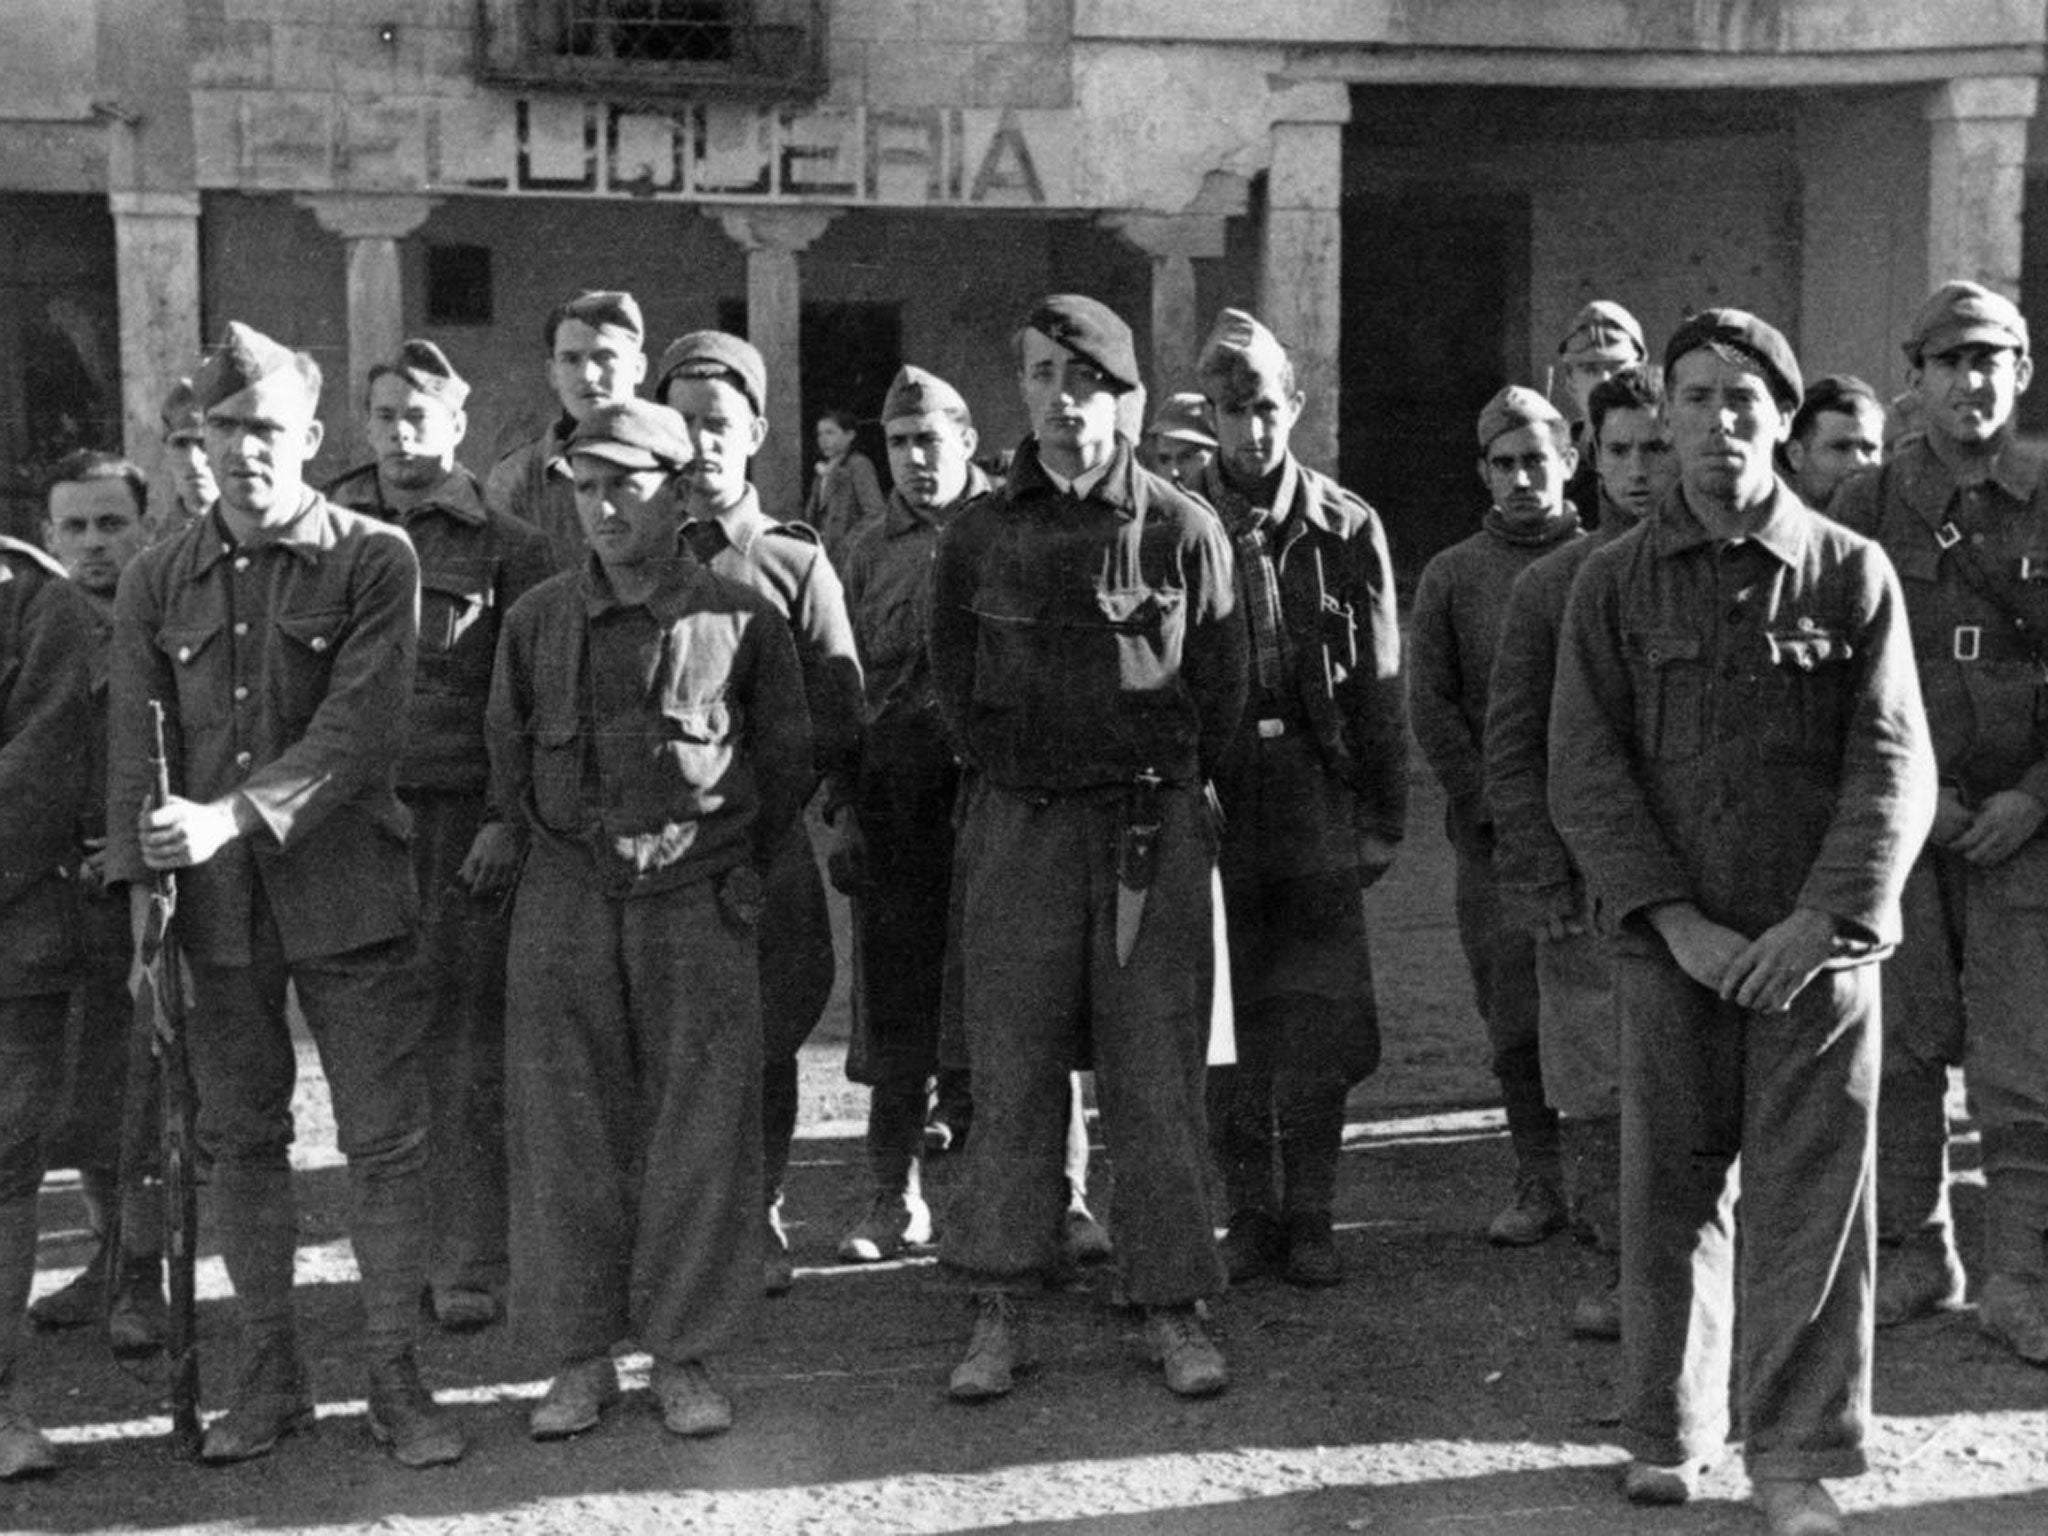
(602, 307)
(426, 368)
(717, 352)
(1184, 418)
(245, 357)
(916, 392)
(1962, 314)
(180, 411)
(633, 434)
(1603, 329)
(1237, 340)
(1740, 332)
(1516, 406)
(1093, 332)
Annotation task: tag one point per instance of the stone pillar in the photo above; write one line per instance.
(156, 261)
(1173, 242)
(371, 225)
(1300, 269)
(1977, 179)
(772, 237)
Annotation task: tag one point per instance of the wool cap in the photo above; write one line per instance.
(1740, 332)
(1515, 406)
(1093, 332)
(426, 368)
(633, 434)
(1963, 314)
(1184, 418)
(599, 308)
(1603, 330)
(180, 412)
(245, 357)
(721, 351)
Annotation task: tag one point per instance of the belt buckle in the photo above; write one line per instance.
(2033, 568)
(1269, 730)
(1968, 642)
(1948, 536)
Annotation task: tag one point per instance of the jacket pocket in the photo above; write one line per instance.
(199, 663)
(305, 661)
(558, 776)
(1671, 685)
(1149, 625)
(454, 605)
(1805, 694)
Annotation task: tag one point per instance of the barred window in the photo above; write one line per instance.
(657, 47)
(645, 31)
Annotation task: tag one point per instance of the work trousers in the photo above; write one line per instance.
(796, 970)
(1502, 959)
(633, 1035)
(31, 1072)
(1576, 1029)
(1039, 921)
(86, 1131)
(1712, 1095)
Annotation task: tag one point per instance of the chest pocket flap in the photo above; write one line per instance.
(319, 632)
(1670, 716)
(186, 643)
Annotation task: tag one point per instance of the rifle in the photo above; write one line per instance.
(162, 995)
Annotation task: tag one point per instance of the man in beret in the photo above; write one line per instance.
(475, 562)
(1740, 766)
(1838, 432)
(1089, 663)
(193, 490)
(597, 355)
(1541, 890)
(279, 634)
(1602, 339)
(1314, 793)
(1963, 512)
(649, 743)
(1181, 441)
(719, 384)
(1525, 461)
(45, 713)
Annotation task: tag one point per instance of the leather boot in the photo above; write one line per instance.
(2013, 1304)
(405, 1419)
(24, 1450)
(82, 1303)
(258, 1230)
(389, 1230)
(271, 1402)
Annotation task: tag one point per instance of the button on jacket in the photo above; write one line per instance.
(285, 667)
(1079, 641)
(1738, 725)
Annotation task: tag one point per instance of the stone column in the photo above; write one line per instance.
(1977, 178)
(371, 225)
(1300, 271)
(772, 237)
(1173, 242)
(156, 260)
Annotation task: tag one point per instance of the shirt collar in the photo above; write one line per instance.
(1111, 483)
(742, 522)
(903, 518)
(2013, 470)
(1675, 528)
(309, 532)
(671, 588)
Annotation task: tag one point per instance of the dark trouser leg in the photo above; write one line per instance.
(1240, 1107)
(896, 1133)
(1924, 1033)
(31, 1070)
(1502, 958)
(1309, 1090)
(796, 983)
(2005, 977)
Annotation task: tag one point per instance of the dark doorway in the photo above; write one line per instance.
(1435, 284)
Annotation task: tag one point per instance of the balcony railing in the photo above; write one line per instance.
(655, 48)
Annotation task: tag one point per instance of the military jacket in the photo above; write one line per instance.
(535, 484)
(844, 498)
(1078, 641)
(475, 563)
(1738, 725)
(285, 667)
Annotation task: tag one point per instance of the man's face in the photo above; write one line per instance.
(1583, 376)
(1839, 444)
(929, 455)
(1968, 392)
(1634, 460)
(1525, 472)
(1180, 461)
(412, 434)
(725, 433)
(191, 474)
(94, 530)
(1071, 402)
(833, 439)
(1254, 418)
(260, 441)
(594, 366)
(629, 516)
(1725, 425)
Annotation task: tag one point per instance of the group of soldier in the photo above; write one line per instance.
(514, 781)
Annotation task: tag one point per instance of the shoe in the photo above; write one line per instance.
(1177, 1340)
(1597, 1314)
(778, 1272)
(1645, 1482)
(1254, 1244)
(2011, 1310)
(893, 1223)
(463, 1308)
(139, 1319)
(1083, 1239)
(1796, 1506)
(271, 1402)
(405, 1419)
(691, 1403)
(25, 1451)
(575, 1400)
(1312, 1258)
(1537, 1212)
(1914, 1280)
(996, 1353)
(79, 1304)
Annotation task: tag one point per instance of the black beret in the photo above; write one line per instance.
(1740, 332)
(1090, 330)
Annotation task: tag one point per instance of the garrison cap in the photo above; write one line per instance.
(1757, 341)
(599, 308)
(1238, 340)
(634, 434)
(180, 412)
(1092, 331)
(1603, 329)
(1184, 418)
(1963, 314)
(1516, 406)
(245, 357)
(426, 368)
(916, 392)
(722, 352)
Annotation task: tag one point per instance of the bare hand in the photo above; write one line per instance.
(492, 860)
(1703, 948)
(1375, 858)
(181, 833)
(92, 870)
(1951, 818)
(2002, 823)
(1775, 969)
